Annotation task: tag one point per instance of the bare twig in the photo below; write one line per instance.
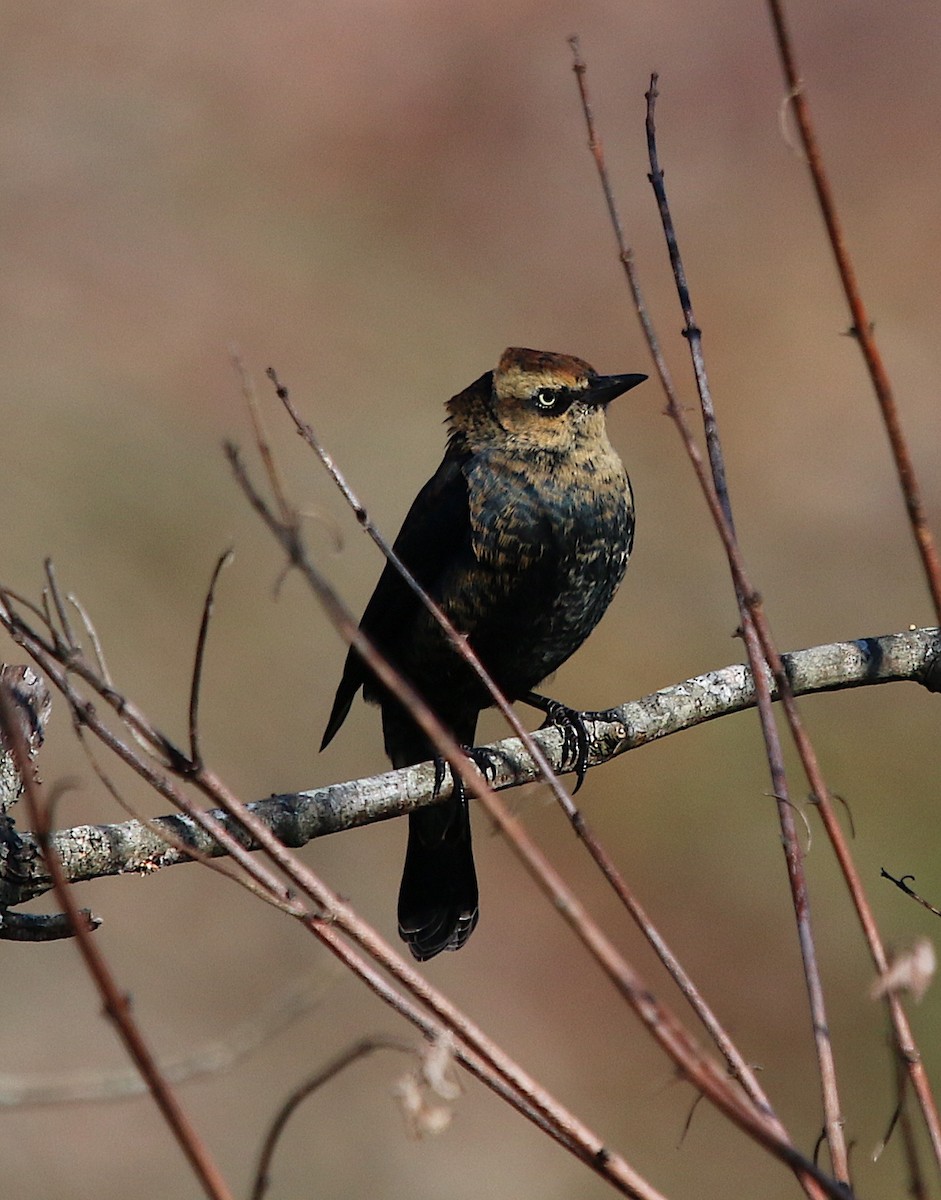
(793, 853)
(917, 1187)
(223, 561)
(332, 921)
(92, 637)
(352, 1054)
(907, 1048)
(258, 429)
(674, 409)
(862, 328)
(625, 252)
(274, 1014)
(41, 927)
(902, 882)
(59, 602)
(115, 1001)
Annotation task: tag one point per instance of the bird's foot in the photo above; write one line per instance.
(576, 740)
(484, 760)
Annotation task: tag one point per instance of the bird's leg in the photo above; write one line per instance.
(484, 760)
(575, 738)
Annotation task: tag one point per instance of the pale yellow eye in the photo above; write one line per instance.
(547, 399)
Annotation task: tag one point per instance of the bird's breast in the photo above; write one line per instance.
(555, 507)
(552, 539)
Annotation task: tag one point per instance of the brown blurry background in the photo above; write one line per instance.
(377, 198)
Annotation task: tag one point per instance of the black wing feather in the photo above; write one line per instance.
(435, 534)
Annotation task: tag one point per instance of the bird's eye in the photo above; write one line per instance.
(547, 398)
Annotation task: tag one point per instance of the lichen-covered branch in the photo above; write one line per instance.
(92, 851)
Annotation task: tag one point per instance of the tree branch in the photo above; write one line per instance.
(92, 851)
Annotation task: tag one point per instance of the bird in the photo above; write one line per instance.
(522, 537)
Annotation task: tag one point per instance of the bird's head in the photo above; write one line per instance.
(534, 398)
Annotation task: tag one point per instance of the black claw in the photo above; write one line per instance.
(576, 741)
(486, 762)
(441, 765)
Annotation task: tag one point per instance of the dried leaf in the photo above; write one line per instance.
(911, 971)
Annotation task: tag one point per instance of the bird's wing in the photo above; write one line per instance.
(435, 536)
(511, 520)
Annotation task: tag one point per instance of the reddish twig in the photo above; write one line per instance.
(346, 1058)
(332, 921)
(115, 1002)
(793, 853)
(862, 328)
(675, 411)
(907, 1049)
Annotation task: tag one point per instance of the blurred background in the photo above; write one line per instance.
(377, 198)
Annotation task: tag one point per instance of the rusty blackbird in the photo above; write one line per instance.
(522, 537)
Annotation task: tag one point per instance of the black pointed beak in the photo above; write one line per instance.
(603, 388)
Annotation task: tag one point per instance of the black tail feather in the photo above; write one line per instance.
(438, 895)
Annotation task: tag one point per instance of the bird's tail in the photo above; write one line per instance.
(438, 895)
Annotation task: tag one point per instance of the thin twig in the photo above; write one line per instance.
(793, 852)
(907, 1049)
(261, 436)
(674, 410)
(92, 637)
(917, 1184)
(275, 1014)
(625, 252)
(59, 603)
(223, 561)
(346, 1058)
(902, 883)
(115, 1001)
(862, 328)
(333, 920)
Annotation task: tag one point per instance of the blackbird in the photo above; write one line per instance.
(522, 536)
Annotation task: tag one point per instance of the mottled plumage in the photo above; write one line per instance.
(522, 536)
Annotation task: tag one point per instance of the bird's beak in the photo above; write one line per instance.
(603, 388)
